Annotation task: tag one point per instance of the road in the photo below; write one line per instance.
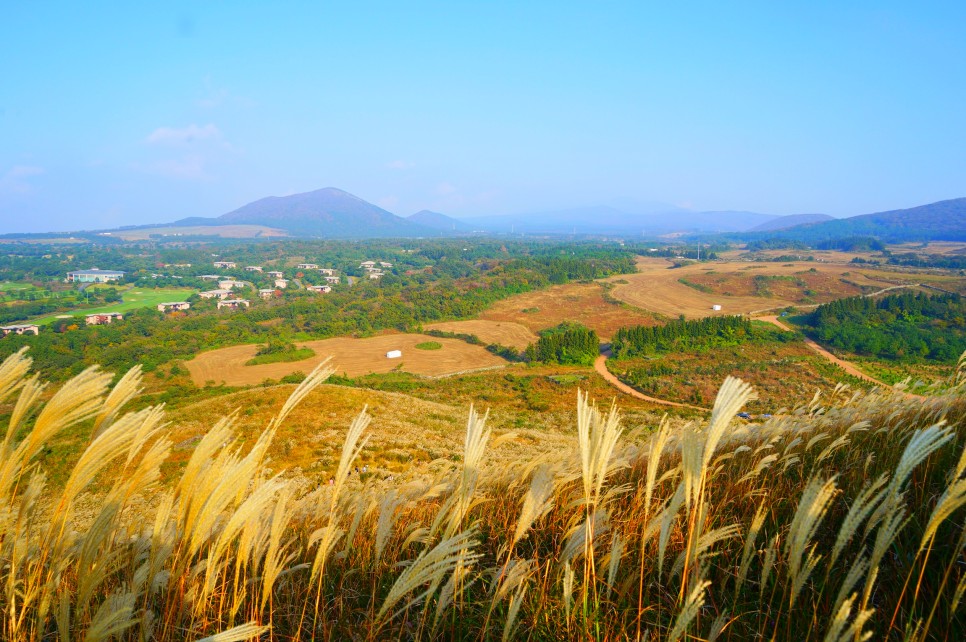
(600, 365)
(845, 365)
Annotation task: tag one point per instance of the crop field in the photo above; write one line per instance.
(692, 290)
(352, 357)
(133, 299)
(224, 231)
(505, 333)
(584, 303)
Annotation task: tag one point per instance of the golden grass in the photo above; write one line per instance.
(352, 357)
(505, 333)
(760, 522)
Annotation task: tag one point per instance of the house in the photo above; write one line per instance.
(327, 271)
(367, 264)
(210, 277)
(233, 304)
(275, 274)
(28, 328)
(375, 274)
(321, 289)
(281, 283)
(228, 284)
(253, 268)
(384, 264)
(173, 306)
(103, 317)
(267, 293)
(333, 279)
(394, 354)
(94, 275)
(224, 264)
(215, 294)
(307, 266)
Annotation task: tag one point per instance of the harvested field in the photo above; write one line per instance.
(352, 357)
(505, 333)
(742, 287)
(581, 302)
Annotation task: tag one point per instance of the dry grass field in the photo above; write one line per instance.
(352, 357)
(658, 287)
(581, 302)
(505, 333)
(224, 231)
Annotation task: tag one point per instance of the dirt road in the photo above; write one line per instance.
(845, 365)
(600, 365)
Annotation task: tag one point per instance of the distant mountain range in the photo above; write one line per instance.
(441, 222)
(792, 220)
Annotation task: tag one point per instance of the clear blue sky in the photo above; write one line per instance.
(117, 113)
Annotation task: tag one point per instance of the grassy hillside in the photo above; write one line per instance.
(840, 520)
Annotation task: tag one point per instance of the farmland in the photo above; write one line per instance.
(504, 333)
(352, 357)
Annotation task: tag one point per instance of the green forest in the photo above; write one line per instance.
(568, 343)
(906, 327)
(680, 335)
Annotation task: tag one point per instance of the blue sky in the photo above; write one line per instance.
(115, 113)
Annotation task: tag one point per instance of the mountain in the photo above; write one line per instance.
(792, 220)
(603, 219)
(941, 221)
(441, 222)
(329, 213)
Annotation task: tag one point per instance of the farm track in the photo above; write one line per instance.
(600, 365)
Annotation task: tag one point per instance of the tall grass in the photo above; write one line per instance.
(841, 520)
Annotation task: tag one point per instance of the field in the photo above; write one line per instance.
(134, 298)
(584, 303)
(352, 357)
(224, 231)
(505, 333)
(658, 286)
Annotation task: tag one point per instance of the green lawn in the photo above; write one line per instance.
(133, 298)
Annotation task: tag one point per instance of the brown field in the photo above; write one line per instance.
(505, 333)
(224, 231)
(656, 286)
(352, 357)
(581, 302)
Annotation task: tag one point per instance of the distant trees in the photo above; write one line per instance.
(680, 335)
(568, 343)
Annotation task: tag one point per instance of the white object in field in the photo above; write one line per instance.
(394, 354)
(716, 307)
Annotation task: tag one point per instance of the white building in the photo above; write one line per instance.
(307, 266)
(275, 274)
(253, 268)
(173, 306)
(281, 283)
(26, 328)
(327, 271)
(716, 307)
(94, 275)
(228, 284)
(233, 304)
(333, 279)
(266, 293)
(100, 318)
(215, 294)
(394, 354)
(224, 264)
(321, 289)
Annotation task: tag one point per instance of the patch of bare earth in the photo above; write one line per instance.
(505, 333)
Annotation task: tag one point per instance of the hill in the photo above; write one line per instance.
(329, 212)
(792, 220)
(441, 222)
(941, 221)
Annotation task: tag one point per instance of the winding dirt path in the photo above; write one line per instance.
(845, 365)
(600, 365)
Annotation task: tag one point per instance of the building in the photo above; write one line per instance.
(321, 289)
(224, 264)
(210, 277)
(233, 304)
(267, 293)
(333, 279)
(307, 266)
(367, 264)
(716, 307)
(327, 271)
(101, 318)
(275, 274)
(94, 275)
(374, 274)
(173, 306)
(215, 294)
(385, 264)
(27, 328)
(253, 268)
(281, 283)
(394, 354)
(228, 284)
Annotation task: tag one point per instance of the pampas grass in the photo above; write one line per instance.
(842, 519)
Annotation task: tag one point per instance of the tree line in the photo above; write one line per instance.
(680, 335)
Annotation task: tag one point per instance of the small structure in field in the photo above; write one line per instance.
(100, 318)
(173, 306)
(26, 328)
(94, 275)
(233, 304)
(716, 307)
(394, 354)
